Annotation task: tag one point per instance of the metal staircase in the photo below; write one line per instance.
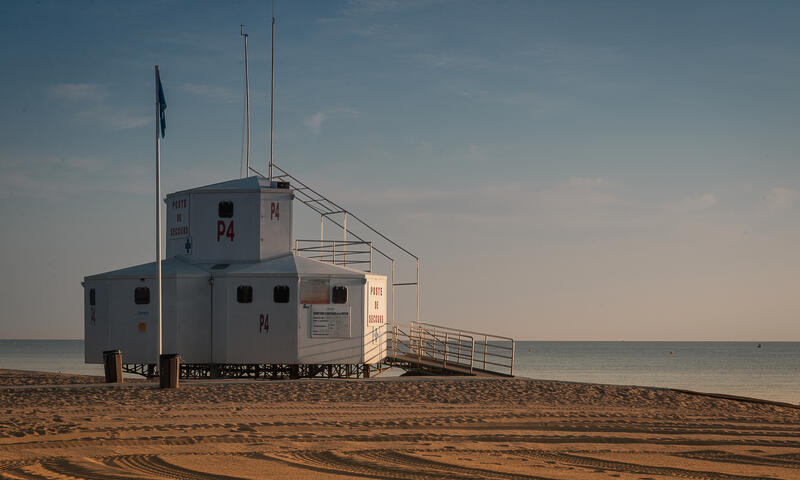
(416, 347)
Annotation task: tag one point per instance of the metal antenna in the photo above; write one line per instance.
(272, 99)
(247, 95)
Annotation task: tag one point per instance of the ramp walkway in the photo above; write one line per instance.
(429, 349)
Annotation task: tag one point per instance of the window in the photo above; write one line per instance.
(280, 294)
(314, 291)
(244, 294)
(141, 296)
(225, 209)
(91, 297)
(339, 295)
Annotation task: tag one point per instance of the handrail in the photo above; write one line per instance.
(327, 252)
(450, 346)
(328, 209)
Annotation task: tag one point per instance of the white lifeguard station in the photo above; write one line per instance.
(236, 293)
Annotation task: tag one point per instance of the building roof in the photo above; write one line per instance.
(287, 265)
(292, 264)
(169, 268)
(247, 184)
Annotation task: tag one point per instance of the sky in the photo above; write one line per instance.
(564, 170)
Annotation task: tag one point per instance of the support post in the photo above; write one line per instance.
(417, 290)
(272, 98)
(344, 245)
(392, 291)
(247, 98)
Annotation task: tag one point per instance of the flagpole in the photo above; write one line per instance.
(247, 97)
(158, 212)
(272, 97)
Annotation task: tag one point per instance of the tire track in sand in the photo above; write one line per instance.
(625, 467)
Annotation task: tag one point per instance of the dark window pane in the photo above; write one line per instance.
(280, 294)
(91, 297)
(244, 294)
(141, 295)
(339, 295)
(225, 209)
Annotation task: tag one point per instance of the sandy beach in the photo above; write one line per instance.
(70, 426)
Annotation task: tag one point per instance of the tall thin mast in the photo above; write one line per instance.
(272, 98)
(247, 96)
(158, 210)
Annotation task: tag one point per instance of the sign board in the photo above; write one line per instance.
(178, 217)
(314, 291)
(330, 321)
(376, 302)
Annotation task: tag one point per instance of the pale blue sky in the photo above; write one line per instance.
(566, 170)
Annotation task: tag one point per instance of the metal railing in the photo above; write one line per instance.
(452, 348)
(333, 212)
(338, 252)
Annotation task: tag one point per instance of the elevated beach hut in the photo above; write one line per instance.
(235, 293)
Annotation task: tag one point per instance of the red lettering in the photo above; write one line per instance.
(275, 211)
(263, 323)
(222, 231)
(376, 304)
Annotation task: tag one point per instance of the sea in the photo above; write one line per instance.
(767, 370)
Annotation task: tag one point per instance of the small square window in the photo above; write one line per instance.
(141, 296)
(244, 294)
(91, 297)
(339, 295)
(225, 209)
(280, 294)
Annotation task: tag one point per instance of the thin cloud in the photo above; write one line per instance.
(696, 203)
(448, 61)
(314, 122)
(79, 91)
(90, 102)
(113, 119)
(210, 91)
(778, 198)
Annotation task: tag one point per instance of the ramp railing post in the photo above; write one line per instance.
(445, 349)
(471, 355)
(513, 349)
(485, 344)
(458, 346)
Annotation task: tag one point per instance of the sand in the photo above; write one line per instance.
(68, 426)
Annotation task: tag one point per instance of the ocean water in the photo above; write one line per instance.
(771, 371)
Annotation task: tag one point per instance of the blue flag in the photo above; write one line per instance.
(162, 105)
